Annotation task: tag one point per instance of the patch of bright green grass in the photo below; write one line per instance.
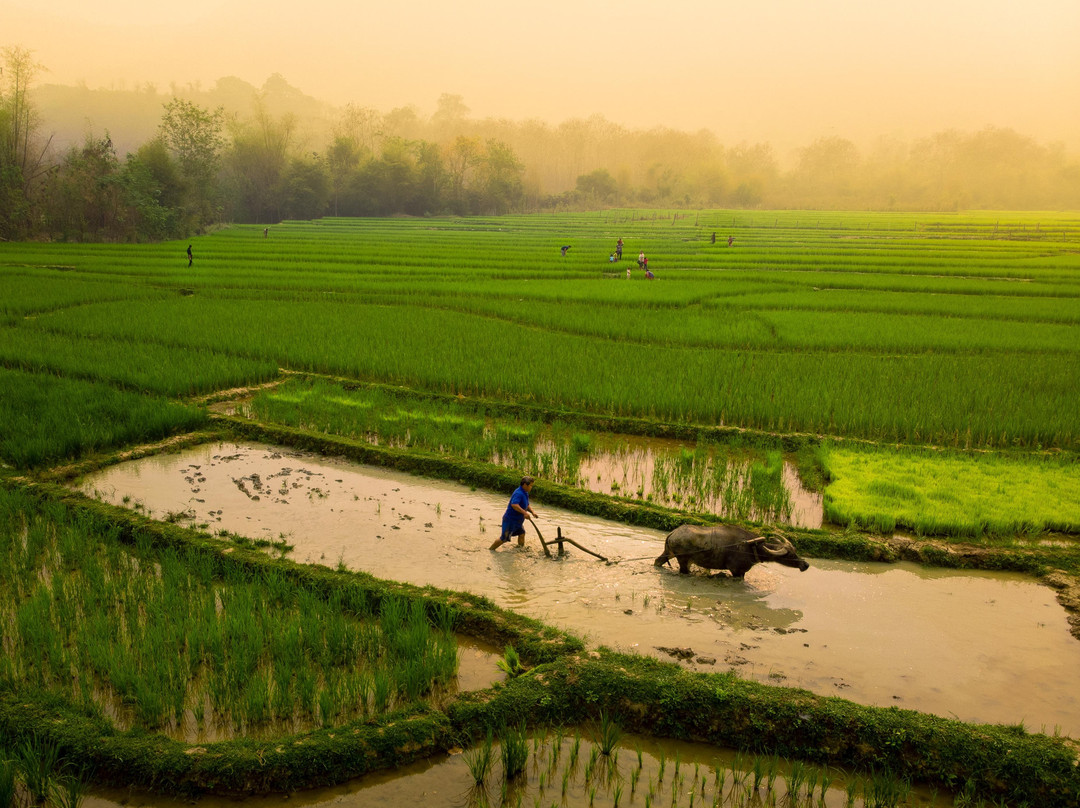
(951, 494)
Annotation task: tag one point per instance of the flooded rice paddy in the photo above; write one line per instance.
(986, 647)
(569, 770)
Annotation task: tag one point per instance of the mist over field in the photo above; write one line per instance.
(779, 71)
(480, 107)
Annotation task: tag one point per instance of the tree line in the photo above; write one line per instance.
(204, 163)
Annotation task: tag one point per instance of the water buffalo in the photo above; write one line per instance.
(725, 547)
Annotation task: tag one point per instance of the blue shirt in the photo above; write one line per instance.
(513, 519)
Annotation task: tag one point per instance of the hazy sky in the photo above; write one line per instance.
(782, 70)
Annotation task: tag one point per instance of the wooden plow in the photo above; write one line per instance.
(559, 540)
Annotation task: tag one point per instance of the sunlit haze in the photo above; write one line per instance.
(779, 70)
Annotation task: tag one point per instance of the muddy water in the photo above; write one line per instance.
(987, 647)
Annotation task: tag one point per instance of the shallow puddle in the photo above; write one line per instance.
(990, 647)
(569, 770)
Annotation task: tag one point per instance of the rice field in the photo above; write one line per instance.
(955, 331)
(958, 330)
(934, 493)
(599, 767)
(707, 477)
(174, 641)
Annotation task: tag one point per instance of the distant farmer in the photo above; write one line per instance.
(618, 248)
(641, 260)
(730, 240)
(189, 256)
(714, 237)
(648, 275)
(266, 232)
(513, 521)
(564, 249)
(628, 272)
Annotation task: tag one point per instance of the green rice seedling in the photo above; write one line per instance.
(719, 777)
(852, 792)
(616, 795)
(479, 759)
(635, 775)
(678, 761)
(795, 780)
(565, 781)
(38, 759)
(771, 771)
(67, 791)
(575, 748)
(382, 689)
(510, 664)
(826, 782)
(515, 751)
(884, 790)
(8, 785)
(590, 766)
(608, 735)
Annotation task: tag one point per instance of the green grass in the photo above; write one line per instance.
(953, 329)
(163, 632)
(45, 418)
(934, 493)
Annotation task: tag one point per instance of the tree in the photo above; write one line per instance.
(255, 165)
(598, 185)
(461, 160)
(305, 188)
(22, 152)
(501, 177)
(194, 136)
(84, 200)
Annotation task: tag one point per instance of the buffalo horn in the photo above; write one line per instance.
(771, 551)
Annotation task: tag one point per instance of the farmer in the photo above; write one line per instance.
(641, 260)
(513, 521)
(618, 248)
(730, 240)
(189, 257)
(564, 249)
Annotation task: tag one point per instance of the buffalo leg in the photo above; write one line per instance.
(684, 564)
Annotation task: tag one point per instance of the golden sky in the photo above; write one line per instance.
(780, 70)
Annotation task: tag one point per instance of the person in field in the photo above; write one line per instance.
(648, 275)
(645, 266)
(714, 237)
(618, 249)
(517, 511)
(730, 240)
(189, 256)
(564, 249)
(628, 272)
(641, 260)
